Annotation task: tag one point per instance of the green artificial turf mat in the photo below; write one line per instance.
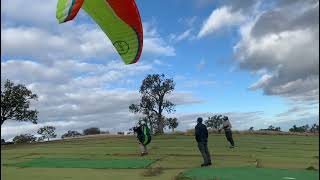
(249, 173)
(86, 163)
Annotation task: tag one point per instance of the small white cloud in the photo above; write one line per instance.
(263, 81)
(220, 18)
(158, 46)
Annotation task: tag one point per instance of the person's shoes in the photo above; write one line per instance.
(202, 165)
(231, 147)
(209, 164)
(143, 153)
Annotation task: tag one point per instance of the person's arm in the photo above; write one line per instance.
(228, 125)
(196, 134)
(206, 131)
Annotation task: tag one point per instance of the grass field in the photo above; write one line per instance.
(172, 154)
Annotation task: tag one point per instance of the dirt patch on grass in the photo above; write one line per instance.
(122, 154)
(26, 155)
(156, 171)
(180, 177)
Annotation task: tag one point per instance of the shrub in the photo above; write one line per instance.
(104, 132)
(71, 134)
(91, 131)
(311, 168)
(189, 132)
(178, 133)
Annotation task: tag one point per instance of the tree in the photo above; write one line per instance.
(24, 138)
(15, 103)
(154, 90)
(172, 123)
(149, 116)
(314, 128)
(300, 129)
(91, 131)
(47, 132)
(71, 134)
(272, 128)
(214, 122)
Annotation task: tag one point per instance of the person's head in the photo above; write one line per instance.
(199, 120)
(225, 118)
(142, 123)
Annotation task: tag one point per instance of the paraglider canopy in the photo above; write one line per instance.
(118, 19)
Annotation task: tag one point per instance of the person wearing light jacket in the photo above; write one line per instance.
(227, 130)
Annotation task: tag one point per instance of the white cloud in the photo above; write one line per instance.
(158, 46)
(220, 18)
(34, 31)
(32, 12)
(73, 95)
(186, 35)
(78, 43)
(286, 56)
(73, 67)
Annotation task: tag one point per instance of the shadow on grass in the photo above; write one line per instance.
(311, 168)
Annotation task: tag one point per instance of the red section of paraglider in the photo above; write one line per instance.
(127, 10)
(75, 9)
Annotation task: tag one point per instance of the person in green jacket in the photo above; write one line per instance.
(143, 136)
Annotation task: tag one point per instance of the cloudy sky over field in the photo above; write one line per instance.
(255, 61)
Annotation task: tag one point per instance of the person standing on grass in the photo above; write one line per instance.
(143, 136)
(201, 135)
(227, 130)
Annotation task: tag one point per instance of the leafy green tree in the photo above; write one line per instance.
(214, 122)
(314, 128)
(300, 129)
(153, 103)
(172, 123)
(47, 132)
(24, 138)
(15, 103)
(272, 128)
(148, 116)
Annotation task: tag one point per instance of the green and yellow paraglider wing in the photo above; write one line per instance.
(67, 9)
(118, 19)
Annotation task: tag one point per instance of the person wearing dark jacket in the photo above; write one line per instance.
(201, 135)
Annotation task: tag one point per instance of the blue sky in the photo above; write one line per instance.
(238, 58)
